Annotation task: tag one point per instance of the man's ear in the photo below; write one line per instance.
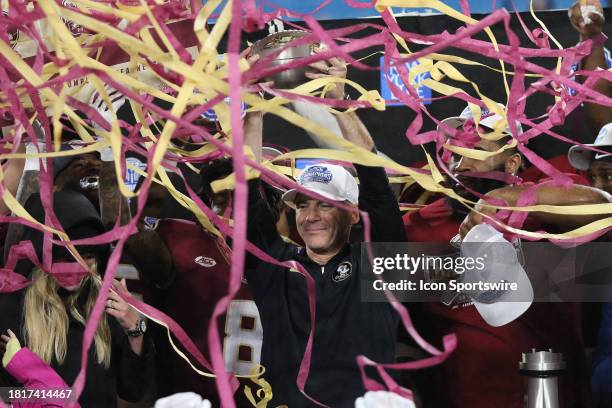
(355, 216)
(513, 164)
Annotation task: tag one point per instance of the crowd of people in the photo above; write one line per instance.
(313, 234)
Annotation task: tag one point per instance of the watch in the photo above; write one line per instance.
(140, 329)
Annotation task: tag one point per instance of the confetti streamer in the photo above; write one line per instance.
(55, 56)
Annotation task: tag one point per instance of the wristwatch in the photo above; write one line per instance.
(140, 329)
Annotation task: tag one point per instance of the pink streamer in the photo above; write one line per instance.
(251, 17)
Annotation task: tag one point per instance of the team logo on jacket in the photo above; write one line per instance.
(205, 261)
(342, 272)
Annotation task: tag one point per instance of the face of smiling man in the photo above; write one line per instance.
(83, 167)
(508, 161)
(323, 227)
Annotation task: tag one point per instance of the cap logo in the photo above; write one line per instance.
(316, 174)
(493, 295)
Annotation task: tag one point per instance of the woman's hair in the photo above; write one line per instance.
(45, 316)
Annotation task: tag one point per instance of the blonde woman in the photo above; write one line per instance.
(49, 315)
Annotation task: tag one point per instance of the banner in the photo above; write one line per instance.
(109, 54)
(340, 10)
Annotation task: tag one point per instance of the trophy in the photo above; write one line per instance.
(289, 78)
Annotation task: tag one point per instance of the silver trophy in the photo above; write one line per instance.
(289, 78)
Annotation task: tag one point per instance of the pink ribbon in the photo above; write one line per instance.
(251, 17)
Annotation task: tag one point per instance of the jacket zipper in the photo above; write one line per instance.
(322, 270)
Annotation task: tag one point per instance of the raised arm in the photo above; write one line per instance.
(591, 26)
(29, 370)
(375, 194)
(261, 228)
(146, 250)
(112, 203)
(351, 127)
(546, 194)
(27, 184)
(13, 170)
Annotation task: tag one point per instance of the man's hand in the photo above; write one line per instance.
(9, 346)
(252, 60)
(125, 314)
(504, 197)
(332, 67)
(4, 339)
(587, 18)
(474, 218)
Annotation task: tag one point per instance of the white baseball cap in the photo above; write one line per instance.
(501, 264)
(581, 158)
(488, 119)
(329, 180)
(387, 399)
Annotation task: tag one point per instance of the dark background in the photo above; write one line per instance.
(388, 127)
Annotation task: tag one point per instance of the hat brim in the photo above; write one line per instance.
(290, 196)
(581, 158)
(62, 162)
(512, 304)
(454, 122)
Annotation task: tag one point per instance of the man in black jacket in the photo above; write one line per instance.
(345, 326)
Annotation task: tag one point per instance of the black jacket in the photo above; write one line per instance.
(128, 376)
(345, 326)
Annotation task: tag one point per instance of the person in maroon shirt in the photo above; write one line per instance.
(201, 278)
(483, 371)
(188, 283)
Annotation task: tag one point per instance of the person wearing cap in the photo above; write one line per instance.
(91, 174)
(81, 172)
(483, 371)
(50, 314)
(345, 327)
(598, 166)
(587, 18)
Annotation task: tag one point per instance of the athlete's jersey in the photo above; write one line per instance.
(202, 278)
(483, 371)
